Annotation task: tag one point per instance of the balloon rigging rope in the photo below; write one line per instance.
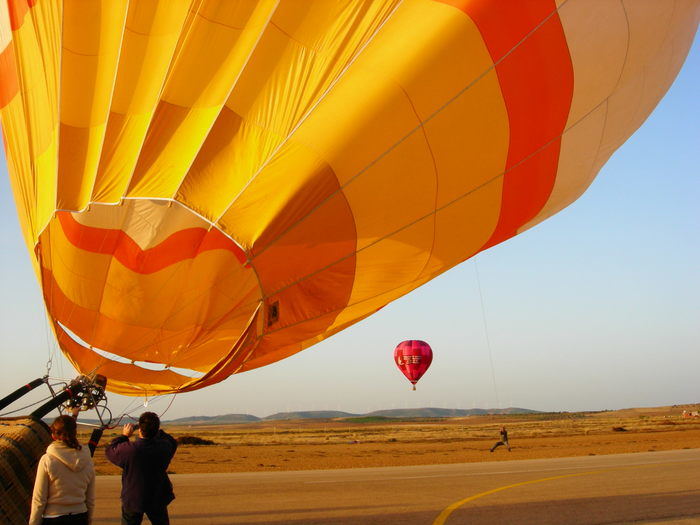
(486, 334)
(169, 405)
(129, 410)
(129, 407)
(50, 346)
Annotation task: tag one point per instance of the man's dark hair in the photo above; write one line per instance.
(149, 424)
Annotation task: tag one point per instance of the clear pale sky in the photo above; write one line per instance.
(596, 308)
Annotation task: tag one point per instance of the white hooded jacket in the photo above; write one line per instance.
(65, 483)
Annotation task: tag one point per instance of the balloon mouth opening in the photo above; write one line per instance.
(146, 290)
(146, 365)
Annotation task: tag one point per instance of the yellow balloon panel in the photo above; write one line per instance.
(211, 186)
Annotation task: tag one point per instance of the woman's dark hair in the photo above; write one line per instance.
(66, 429)
(149, 424)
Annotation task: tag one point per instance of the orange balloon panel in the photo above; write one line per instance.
(207, 187)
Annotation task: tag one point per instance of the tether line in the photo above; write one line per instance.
(486, 334)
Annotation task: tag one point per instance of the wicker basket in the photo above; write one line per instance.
(23, 440)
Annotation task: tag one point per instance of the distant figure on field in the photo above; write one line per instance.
(146, 488)
(503, 441)
(64, 491)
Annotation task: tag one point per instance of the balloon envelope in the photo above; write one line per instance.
(413, 359)
(206, 187)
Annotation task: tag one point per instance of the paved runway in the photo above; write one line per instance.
(656, 487)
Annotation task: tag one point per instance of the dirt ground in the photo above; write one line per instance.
(372, 442)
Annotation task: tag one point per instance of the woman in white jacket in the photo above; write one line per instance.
(64, 490)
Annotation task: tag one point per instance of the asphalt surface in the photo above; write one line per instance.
(655, 487)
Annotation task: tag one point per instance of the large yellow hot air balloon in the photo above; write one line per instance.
(210, 186)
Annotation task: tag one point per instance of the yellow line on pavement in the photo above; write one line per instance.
(440, 520)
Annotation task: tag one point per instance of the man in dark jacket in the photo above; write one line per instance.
(146, 487)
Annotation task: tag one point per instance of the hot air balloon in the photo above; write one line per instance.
(413, 359)
(206, 187)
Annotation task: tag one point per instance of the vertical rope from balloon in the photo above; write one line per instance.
(486, 333)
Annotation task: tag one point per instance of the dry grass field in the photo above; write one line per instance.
(367, 442)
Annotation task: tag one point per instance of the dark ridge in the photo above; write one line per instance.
(215, 420)
(309, 414)
(377, 415)
(449, 412)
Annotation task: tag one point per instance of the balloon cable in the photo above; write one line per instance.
(169, 404)
(128, 411)
(486, 333)
(50, 346)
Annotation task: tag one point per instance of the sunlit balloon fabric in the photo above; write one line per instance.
(207, 187)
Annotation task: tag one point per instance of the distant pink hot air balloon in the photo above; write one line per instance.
(413, 359)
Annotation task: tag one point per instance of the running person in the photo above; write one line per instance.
(503, 441)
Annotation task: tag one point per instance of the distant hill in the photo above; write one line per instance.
(310, 414)
(448, 412)
(404, 413)
(401, 413)
(224, 419)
